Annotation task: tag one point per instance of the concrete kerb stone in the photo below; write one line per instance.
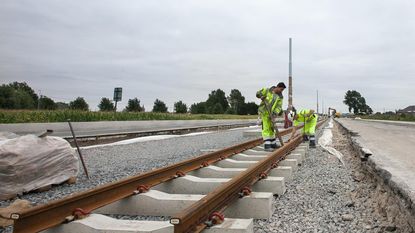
(299, 157)
(216, 172)
(190, 185)
(231, 163)
(275, 185)
(293, 163)
(282, 171)
(155, 203)
(244, 157)
(98, 223)
(255, 152)
(257, 205)
(152, 203)
(233, 225)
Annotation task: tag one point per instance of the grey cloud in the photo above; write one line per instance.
(184, 49)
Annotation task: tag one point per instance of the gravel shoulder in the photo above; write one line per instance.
(326, 196)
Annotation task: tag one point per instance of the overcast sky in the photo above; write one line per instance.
(181, 50)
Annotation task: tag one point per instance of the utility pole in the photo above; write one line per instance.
(317, 101)
(38, 99)
(290, 79)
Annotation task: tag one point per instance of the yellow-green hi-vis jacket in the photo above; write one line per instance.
(310, 121)
(273, 100)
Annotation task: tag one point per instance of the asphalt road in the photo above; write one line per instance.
(108, 127)
(393, 145)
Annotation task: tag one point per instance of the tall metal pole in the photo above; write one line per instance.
(290, 79)
(317, 101)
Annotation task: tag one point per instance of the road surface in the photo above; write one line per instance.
(393, 146)
(109, 127)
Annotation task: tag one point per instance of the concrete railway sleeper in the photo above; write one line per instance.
(237, 182)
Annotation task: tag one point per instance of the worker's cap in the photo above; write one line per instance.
(281, 84)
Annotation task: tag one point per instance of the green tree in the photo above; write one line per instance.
(216, 109)
(356, 102)
(62, 105)
(251, 108)
(106, 105)
(180, 107)
(79, 104)
(159, 106)
(134, 106)
(6, 97)
(17, 96)
(198, 108)
(47, 103)
(237, 102)
(26, 88)
(217, 97)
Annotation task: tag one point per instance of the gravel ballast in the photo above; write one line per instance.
(326, 196)
(111, 163)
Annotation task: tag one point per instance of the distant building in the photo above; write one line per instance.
(407, 110)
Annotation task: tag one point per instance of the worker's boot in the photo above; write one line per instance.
(305, 138)
(274, 144)
(312, 141)
(268, 147)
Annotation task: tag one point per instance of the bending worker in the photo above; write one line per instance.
(270, 107)
(309, 119)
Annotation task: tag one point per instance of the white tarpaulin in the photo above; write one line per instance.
(326, 142)
(29, 162)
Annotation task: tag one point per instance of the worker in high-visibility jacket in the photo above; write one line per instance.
(309, 119)
(270, 107)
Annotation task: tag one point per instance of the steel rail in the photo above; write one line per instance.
(157, 131)
(193, 218)
(57, 212)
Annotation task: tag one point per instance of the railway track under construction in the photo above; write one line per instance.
(221, 191)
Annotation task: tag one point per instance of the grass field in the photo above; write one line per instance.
(27, 116)
(391, 117)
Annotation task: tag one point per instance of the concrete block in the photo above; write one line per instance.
(233, 225)
(231, 163)
(256, 152)
(297, 156)
(97, 223)
(152, 203)
(274, 185)
(258, 205)
(289, 163)
(190, 185)
(282, 171)
(216, 172)
(259, 148)
(300, 151)
(244, 157)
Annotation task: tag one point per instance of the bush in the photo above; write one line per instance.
(79, 104)
(180, 107)
(159, 106)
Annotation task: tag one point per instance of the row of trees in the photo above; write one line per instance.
(218, 103)
(21, 96)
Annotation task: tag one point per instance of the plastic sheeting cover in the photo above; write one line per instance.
(29, 162)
